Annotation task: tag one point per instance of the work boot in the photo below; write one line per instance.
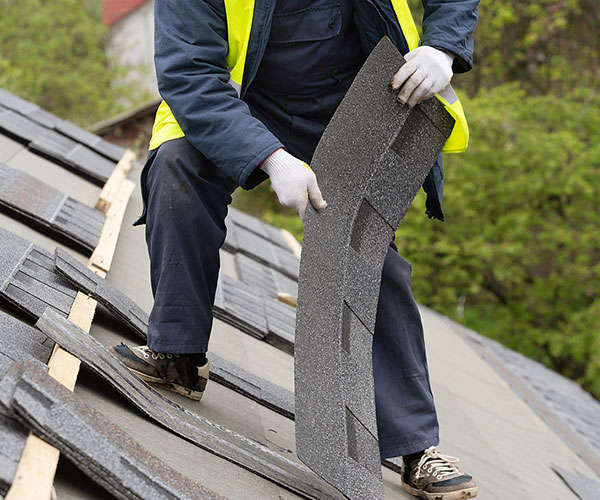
(436, 477)
(175, 372)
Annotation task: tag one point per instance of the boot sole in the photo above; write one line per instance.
(159, 382)
(448, 495)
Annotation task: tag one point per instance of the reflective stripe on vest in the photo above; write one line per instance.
(459, 138)
(240, 14)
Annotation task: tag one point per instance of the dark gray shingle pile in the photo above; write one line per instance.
(51, 209)
(59, 140)
(207, 435)
(18, 342)
(95, 445)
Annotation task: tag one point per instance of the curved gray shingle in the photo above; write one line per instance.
(384, 151)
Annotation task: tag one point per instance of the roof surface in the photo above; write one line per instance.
(501, 436)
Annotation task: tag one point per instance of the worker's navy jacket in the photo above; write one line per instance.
(190, 55)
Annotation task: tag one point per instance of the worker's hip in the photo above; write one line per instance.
(179, 167)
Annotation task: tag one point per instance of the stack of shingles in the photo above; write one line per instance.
(18, 342)
(60, 140)
(49, 209)
(266, 266)
(38, 286)
(33, 280)
(28, 281)
(261, 242)
(32, 400)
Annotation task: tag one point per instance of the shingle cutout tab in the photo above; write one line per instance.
(18, 341)
(370, 162)
(99, 448)
(43, 205)
(196, 429)
(28, 280)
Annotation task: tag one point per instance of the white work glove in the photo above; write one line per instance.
(293, 181)
(425, 73)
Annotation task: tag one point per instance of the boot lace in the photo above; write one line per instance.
(437, 464)
(147, 353)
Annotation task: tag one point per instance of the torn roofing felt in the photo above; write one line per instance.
(18, 342)
(208, 435)
(41, 204)
(99, 448)
(386, 155)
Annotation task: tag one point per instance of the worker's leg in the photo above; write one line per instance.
(186, 204)
(406, 416)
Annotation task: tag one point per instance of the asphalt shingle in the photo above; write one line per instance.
(27, 277)
(95, 445)
(383, 147)
(206, 434)
(18, 341)
(50, 208)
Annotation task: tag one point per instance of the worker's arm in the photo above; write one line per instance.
(446, 47)
(449, 25)
(190, 57)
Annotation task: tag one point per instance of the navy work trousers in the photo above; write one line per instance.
(185, 200)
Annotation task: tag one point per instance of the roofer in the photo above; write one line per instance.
(249, 87)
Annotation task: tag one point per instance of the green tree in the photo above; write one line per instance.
(52, 53)
(546, 45)
(520, 250)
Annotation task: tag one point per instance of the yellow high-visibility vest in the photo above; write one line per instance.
(240, 14)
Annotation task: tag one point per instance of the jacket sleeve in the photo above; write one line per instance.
(449, 25)
(190, 58)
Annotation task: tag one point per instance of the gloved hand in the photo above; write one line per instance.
(426, 72)
(293, 181)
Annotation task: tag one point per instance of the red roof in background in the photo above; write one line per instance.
(113, 10)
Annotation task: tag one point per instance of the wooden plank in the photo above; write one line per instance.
(292, 242)
(288, 299)
(35, 473)
(111, 188)
(103, 254)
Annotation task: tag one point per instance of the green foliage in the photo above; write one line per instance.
(546, 45)
(520, 250)
(519, 256)
(53, 54)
